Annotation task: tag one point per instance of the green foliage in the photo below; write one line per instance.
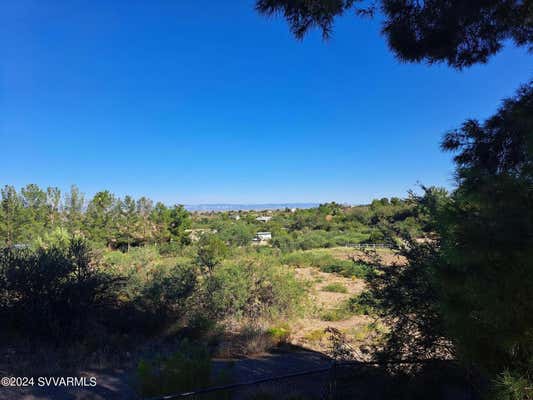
(254, 288)
(336, 314)
(362, 304)
(279, 334)
(327, 263)
(179, 219)
(485, 272)
(59, 238)
(11, 221)
(335, 288)
(348, 269)
(460, 33)
(54, 292)
(211, 251)
(467, 292)
(509, 386)
(236, 233)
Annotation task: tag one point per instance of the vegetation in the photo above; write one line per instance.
(335, 288)
(459, 32)
(470, 288)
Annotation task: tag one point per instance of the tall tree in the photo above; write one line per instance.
(179, 220)
(11, 216)
(468, 292)
(100, 217)
(486, 273)
(128, 221)
(53, 200)
(35, 211)
(160, 218)
(144, 209)
(73, 210)
(458, 32)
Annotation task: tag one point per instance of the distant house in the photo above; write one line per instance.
(262, 237)
(263, 218)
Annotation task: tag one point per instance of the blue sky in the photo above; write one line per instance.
(206, 101)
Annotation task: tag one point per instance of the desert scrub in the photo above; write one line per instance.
(363, 304)
(348, 269)
(335, 287)
(373, 331)
(357, 305)
(279, 334)
(316, 335)
(255, 287)
(336, 314)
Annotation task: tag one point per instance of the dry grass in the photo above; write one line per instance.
(329, 306)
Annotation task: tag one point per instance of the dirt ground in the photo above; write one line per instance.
(360, 330)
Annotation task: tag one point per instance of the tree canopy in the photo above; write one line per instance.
(458, 32)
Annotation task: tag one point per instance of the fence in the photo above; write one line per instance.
(368, 246)
(338, 381)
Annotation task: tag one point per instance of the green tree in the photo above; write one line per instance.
(128, 222)
(458, 32)
(53, 200)
(486, 273)
(179, 220)
(160, 219)
(144, 209)
(467, 292)
(34, 212)
(11, 216)
(211, 252)
(100, 217)
(73, 210)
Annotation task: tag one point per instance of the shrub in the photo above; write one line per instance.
(363, 304)
(336, 314)
(152, 298)
(335, 288)
(315, 336)
(279, 334)
(254, 287)
(54, 292)
(170, 249)
(348, 269)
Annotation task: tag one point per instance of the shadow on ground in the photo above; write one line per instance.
(439, 381)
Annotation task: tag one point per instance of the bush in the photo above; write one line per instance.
(56, 292)
(337, 314)
(170, 249)
(363, 304)
(253, 288)
(335, 288)
(308, 259)
(154, 297)
(348, 269)
(279, 334)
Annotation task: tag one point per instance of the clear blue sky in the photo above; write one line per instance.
(206, 101)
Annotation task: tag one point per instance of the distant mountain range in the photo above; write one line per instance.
(247, 207)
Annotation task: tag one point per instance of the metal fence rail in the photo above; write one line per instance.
(368, 246)
(339, 380)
